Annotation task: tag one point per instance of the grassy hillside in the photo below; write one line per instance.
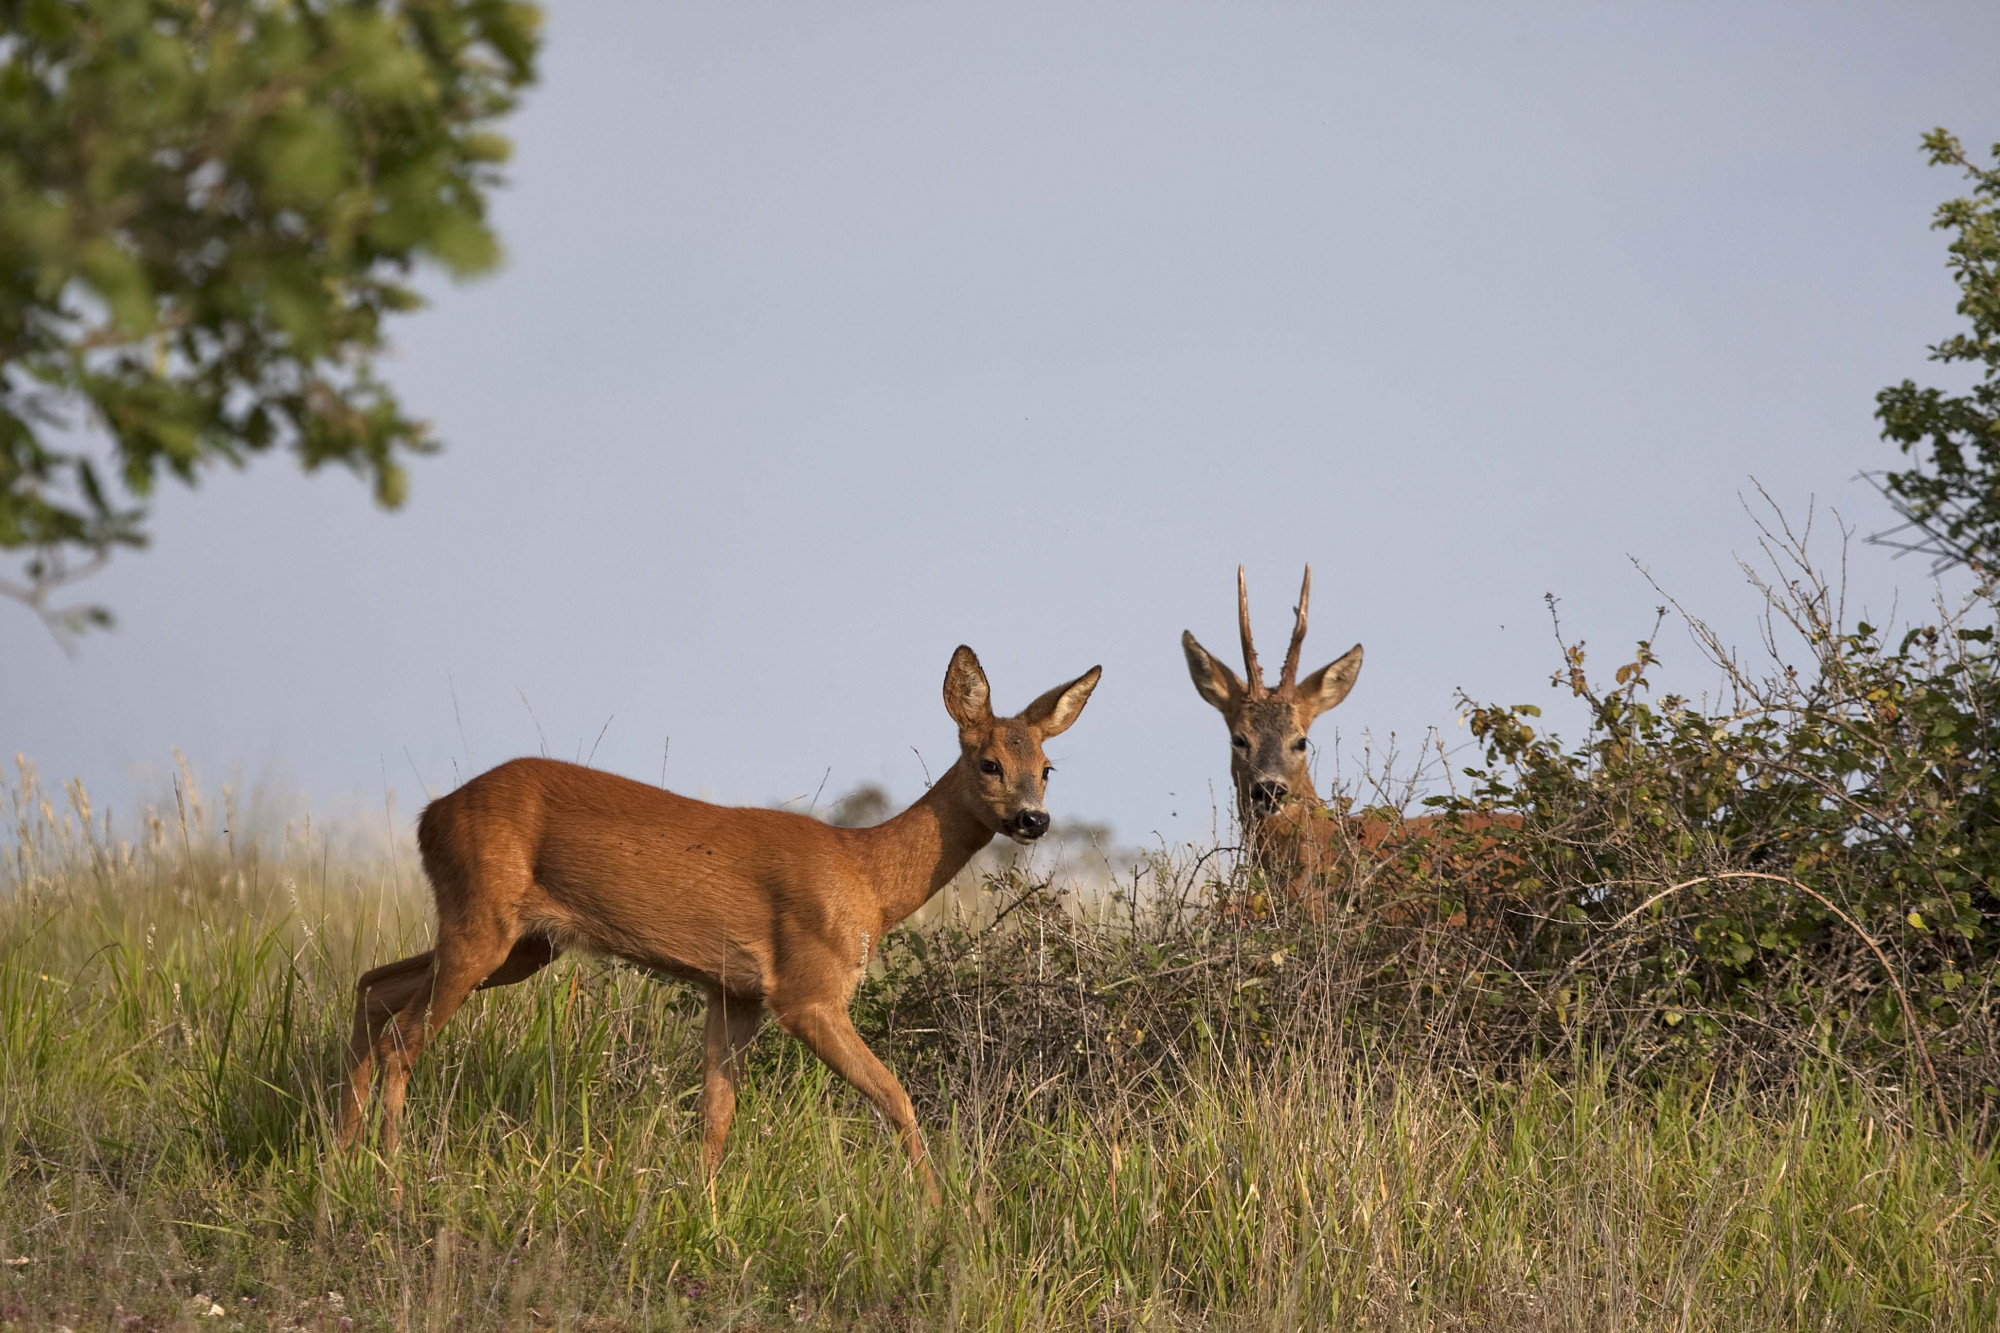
(172, 1013)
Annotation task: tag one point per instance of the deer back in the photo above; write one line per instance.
(1403, 867)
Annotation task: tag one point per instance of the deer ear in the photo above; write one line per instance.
(966, 696)
(1212, 680)
(1053, 712)
(1329, 685)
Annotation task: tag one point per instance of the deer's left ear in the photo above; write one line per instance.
(1329, 685)
(1053, 712)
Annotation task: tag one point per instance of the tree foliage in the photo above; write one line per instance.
(208, 209)
(1951, 493)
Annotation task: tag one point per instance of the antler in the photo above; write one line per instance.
(1253, 674)
(1290, 678)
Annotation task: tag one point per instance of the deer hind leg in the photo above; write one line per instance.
(530, 954)
(830, 1034)
(378, 997)
(465, 957)
(733, 1021)
(383, 993)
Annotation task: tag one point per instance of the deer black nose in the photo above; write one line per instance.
(1032, 823)
(1269, 794)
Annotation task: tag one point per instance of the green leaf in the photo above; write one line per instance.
(257, 182)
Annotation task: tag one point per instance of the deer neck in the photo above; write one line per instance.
(917, 853)
(1279, 831)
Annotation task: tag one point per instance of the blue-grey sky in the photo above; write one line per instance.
(832, 336)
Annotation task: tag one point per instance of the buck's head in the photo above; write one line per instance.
(1268, 756)
(1001, 765)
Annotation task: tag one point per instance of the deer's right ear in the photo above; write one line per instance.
(1212, 680)
(966, 696)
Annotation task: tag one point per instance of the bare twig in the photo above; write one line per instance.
(48, 573)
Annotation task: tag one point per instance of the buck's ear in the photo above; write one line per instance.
(966, 696)
(1212, 680)
(1053, 712)
(1329, 685)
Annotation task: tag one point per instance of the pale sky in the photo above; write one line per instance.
(831, 337)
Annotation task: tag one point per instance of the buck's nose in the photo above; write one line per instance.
(1031, 823)
(1269, 794)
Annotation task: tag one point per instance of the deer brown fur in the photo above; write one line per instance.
(764, 910)
(1314, 856)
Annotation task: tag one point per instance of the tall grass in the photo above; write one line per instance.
(172, 1012)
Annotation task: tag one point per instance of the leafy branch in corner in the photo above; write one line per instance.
(1949, 498)
(208, 214)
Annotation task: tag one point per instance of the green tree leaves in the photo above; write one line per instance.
(1951, 493)
(208, 209)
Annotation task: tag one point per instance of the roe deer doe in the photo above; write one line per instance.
(762, 909)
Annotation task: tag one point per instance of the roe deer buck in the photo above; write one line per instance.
(1286, 826)
(762, 909)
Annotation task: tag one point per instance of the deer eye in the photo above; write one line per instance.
(1046, 772)
(1299, 744)
(989, 767)
(1240, 742)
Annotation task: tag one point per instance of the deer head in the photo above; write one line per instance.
(1267, 727)
(1001, 767)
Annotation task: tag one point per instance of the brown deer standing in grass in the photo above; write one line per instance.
(1287, 827)
(762, 909)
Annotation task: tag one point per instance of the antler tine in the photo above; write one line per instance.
(1253, 674)
(1290, 677)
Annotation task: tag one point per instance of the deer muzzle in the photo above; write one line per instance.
(1267, 795)
(1027, 826)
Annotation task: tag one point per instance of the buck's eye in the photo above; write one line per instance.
(989, 767)
(1046, 772)
(1299, 744)
(1240, 742)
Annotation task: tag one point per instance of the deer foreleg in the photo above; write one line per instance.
(733, 1021)
(830, 1033)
